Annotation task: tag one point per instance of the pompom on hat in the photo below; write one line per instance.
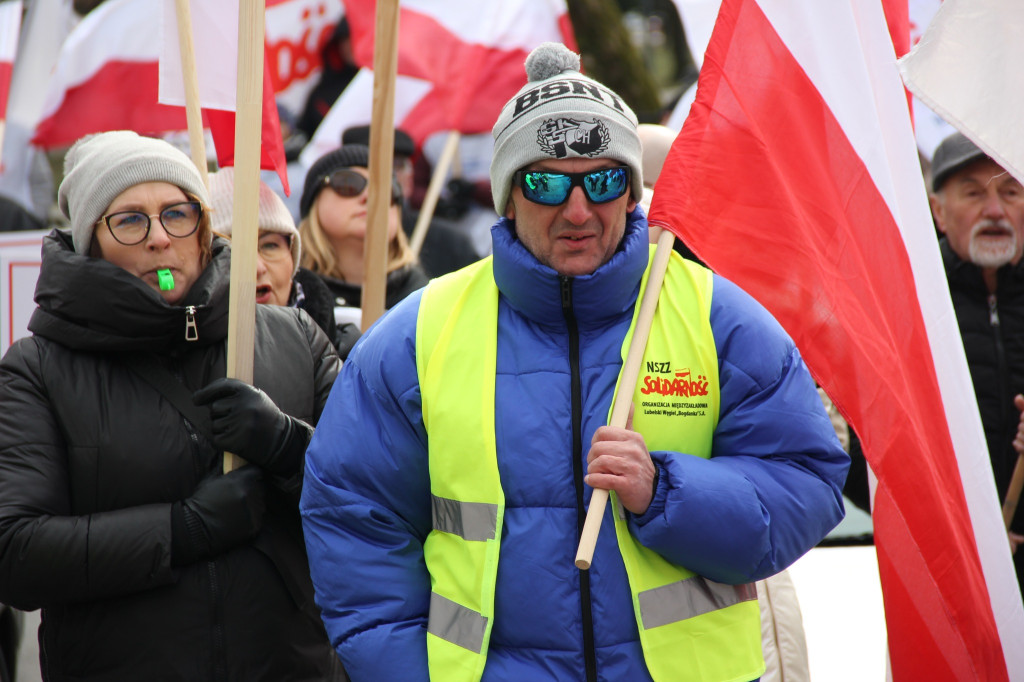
(99, 167)
(273, 215)
(559, 114)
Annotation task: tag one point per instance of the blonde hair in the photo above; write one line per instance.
(206, 233)
(318, 254)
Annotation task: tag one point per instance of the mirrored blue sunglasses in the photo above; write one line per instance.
(552, 189)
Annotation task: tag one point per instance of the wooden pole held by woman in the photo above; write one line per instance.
(245, 211)
(193, 107)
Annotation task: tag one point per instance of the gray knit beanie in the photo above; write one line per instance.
(99, 167)
(558, 114)
(272, 216)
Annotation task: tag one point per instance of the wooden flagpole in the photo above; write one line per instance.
(419, 233)
(382, 159)
(193, 110)
(245, 210)
(623, 399)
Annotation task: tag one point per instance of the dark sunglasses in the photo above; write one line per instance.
(348, 183)
(552, 189)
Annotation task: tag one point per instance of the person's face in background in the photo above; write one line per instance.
(576, 237)
(343, 219)
(274, 268)
(159, 250)
(980, 209)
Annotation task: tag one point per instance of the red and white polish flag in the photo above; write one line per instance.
(106, 77)
(796, 176)
(470, 52)
(10, 28)
(215, 45)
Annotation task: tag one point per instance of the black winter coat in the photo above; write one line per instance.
(92, 458)
(992, 329)
(400, 283)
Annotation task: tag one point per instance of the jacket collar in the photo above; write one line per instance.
(534, 290)
(967, 276)
(91, 304)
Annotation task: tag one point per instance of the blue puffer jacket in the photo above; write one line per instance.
(769, 493)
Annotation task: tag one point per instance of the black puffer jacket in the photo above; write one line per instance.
(400, 283)
(992, 329)
(92, 458)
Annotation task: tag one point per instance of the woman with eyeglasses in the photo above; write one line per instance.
(279, 278)
(333, 229)
(116, 518)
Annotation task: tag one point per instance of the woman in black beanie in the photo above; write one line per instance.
(333, 228)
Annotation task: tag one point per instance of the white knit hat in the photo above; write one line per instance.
(558, 114)
(99, 167)
(273, 215)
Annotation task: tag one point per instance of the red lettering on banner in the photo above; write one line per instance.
(291, 58)
(687, 388)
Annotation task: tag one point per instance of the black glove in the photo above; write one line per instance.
(246, 421)
(224, 512)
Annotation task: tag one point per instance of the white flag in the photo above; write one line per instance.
(965, 69)
(215, 45)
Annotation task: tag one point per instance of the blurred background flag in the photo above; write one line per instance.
(796, 175)
(471, 53)
(106, 77)
(964, 69)
(10, 28)
(215, 37)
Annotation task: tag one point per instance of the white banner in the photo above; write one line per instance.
(20, 259)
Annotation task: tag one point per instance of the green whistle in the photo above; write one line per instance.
(166, 279)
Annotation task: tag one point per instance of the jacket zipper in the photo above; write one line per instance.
(220, 672)
(191, 331)
(565, 284)
(1007, 420)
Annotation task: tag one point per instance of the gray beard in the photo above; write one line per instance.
(988, 252)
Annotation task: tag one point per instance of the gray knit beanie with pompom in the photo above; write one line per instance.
(99, 167)
(559, 114)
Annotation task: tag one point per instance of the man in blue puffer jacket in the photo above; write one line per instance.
(449, 476)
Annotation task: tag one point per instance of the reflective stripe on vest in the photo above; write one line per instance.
(690, 628)
(461, 552)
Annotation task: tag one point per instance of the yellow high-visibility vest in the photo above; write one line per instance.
(690, 628)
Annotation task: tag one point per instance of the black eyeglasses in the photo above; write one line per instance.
(132, 227)
(552, 189)
(348, 183)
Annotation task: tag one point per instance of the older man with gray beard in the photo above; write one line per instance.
(979, 209)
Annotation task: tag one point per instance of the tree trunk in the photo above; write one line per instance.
(610, 58)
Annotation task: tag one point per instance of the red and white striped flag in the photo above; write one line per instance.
(215, 39)
(10, 27)
(471, 52)
(796, 176)
(106, 77)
